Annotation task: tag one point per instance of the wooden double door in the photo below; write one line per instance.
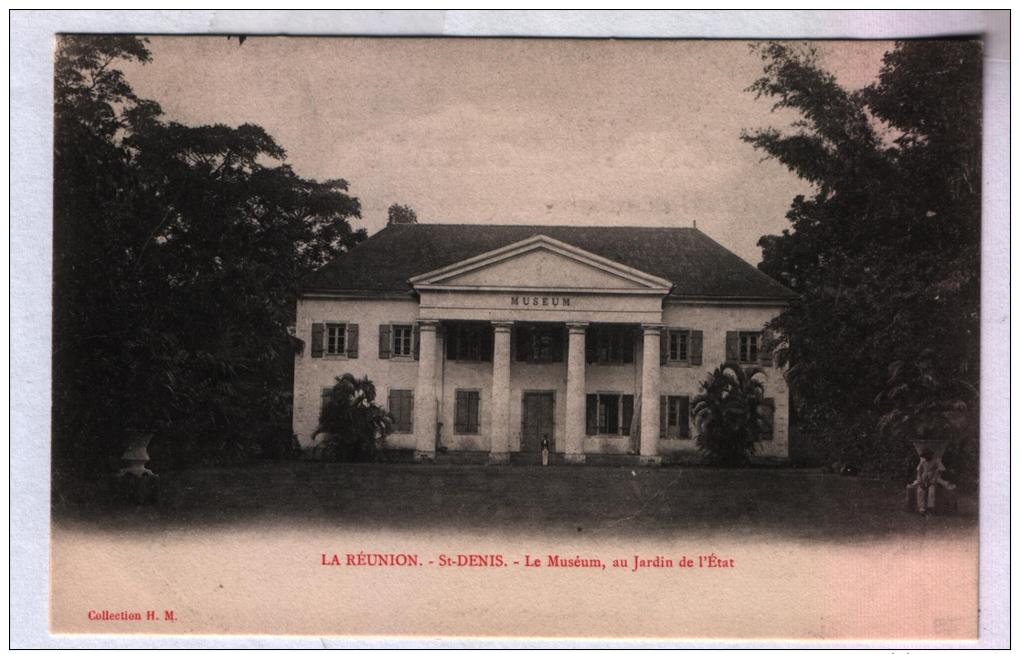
(537, 420)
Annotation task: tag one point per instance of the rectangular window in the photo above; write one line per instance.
(539, 343)
(677, 413)
(610, 344)
(336, 338)
(403, 340)
(466, 413)
(469, 342)
(749, 347)
(679, 346)
(401, 407)
(610, 414)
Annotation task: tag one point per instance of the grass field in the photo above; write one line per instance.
(795, 503)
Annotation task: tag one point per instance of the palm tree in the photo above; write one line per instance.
(728, 414)
(351, 422)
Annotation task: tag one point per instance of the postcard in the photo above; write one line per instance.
(654, 340)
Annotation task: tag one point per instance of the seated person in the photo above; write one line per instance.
(929, 473)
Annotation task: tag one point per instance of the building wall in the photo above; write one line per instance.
(312, 374)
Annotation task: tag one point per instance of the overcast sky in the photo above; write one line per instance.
(590, 132)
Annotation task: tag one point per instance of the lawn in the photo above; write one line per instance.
(794, 503)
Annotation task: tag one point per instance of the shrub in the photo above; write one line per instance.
(351, 423)
(729, 414)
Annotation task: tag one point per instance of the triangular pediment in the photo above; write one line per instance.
(541, 262)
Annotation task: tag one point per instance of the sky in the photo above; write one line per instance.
(538, 131)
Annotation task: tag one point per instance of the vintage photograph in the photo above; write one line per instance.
(516, 337)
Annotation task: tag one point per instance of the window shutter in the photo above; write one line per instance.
(732, 347)
(663, 415)
(629, 343)
(317, 331)
(488, 343)
(591, 346)
(417, 340)
(685, 416)
(385, 336)
(460, 413)
(591, 414)
(764, 352)
(559, 344)
(628, 414)
(697, 337)
(450, 338)
(352, 340)
(663, 347)
(522, 342)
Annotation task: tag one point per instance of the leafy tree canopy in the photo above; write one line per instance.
(401, 214)
(885, 253)
(178, 255)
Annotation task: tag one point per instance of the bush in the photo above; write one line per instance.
(729, 414)
(351, 423)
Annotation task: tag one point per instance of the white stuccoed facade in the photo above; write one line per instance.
(535, 281)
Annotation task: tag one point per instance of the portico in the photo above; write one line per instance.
(544, 281)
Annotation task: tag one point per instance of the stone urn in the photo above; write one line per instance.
(137, 454)
(135, 482)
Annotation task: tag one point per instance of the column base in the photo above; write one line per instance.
(499, 458)
(575, 457)
(422, 456)
(650, 460)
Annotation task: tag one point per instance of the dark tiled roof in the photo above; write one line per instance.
(697, 265)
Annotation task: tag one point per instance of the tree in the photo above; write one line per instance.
(351, 422)
(729, 414)
(178, 255)
(401, 214)
(885, 253)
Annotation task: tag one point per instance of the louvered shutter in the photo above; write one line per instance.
(559, 344)
(417, 341)
(663, 347)
(352, 340)
(385, 337)
(629, 343)
(591, 415)
(685, 416)
(663, 415)
(733, 347)
(591, 346)
(628, 414)
(317, 331)
(697, 337)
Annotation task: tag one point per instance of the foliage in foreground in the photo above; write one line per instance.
(178, 252)
(729, 414)
(351, 424)
(885, 253)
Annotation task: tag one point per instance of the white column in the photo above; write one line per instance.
(425, 393)
(499, 440)
(574, 428)
(650, 370)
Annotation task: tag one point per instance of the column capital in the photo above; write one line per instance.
(428, 324)
(502, 325)
(652, 327)
(577, 327)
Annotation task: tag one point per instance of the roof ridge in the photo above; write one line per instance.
(542, 225)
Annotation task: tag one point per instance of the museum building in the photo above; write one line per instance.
(493, 338)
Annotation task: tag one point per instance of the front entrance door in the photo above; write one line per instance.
(537, 420)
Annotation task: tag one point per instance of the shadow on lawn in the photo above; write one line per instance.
(598, 501)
